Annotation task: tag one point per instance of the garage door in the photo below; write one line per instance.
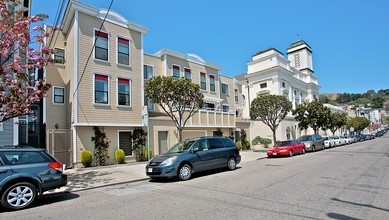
(192, 134)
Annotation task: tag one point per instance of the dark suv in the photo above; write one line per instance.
(26, 172)
(194, 155)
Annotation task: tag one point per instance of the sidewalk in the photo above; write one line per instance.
(94, 177)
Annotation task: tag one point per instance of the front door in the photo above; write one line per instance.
(125, 142)
(162, 142)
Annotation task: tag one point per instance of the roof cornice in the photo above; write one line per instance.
(187, 57)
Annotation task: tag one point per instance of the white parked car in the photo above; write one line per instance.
(329, 142)
(337, 140)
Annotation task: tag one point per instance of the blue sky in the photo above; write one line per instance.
(349, 38)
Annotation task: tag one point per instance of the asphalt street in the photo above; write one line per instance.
(348, 182)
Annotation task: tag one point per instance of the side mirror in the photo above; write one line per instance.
(195, 149)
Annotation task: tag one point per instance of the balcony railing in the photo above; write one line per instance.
(209, 117)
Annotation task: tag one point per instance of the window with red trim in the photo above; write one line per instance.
(236, 95)
(188, 74)
(176, 71)
(203, 81)
(124, 92)
(101, 47)
(123, 51)
(101, 89)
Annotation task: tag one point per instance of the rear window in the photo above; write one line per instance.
(24, 157)
(228, 142)
(215, 143)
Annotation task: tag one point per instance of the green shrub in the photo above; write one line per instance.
(119, 156)
(146, 154)
(259, 140)
(86, 158)
(248, 145)
(239, 145)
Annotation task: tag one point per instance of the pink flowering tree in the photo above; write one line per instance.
(18, 87)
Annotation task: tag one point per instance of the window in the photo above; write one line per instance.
(203, 81)
(101, 89)
(215, 143)
(263, 85)
(123, 51)
(209, 106)
(225, 89)
(188, 74)
(176, 71)
(201, 145)
(59, 56)
(101, 47)
(226, 108)
(58, 95)
(212, 83)
(124, 92)
(236, 96)
(283, 84)
(149, 103)
(148, 72)
(24, 157)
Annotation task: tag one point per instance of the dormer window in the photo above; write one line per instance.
(263, 85)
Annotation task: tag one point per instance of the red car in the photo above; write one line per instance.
(287, 148)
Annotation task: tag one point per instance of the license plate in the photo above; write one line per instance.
(149, 170)
(274, 153)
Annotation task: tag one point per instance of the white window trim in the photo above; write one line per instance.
(179, 71)
(227, 89)
(132, 132)
(152, 66)
(214, 77)
(189, 70)
(117, 92)
(53, 93)
(64, 55)
(94, 89)
(228, 108)
(205, 81)
(94, 40)
(117, 51)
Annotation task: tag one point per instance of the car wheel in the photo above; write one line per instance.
(323, 147)
(313, 148)
(303, 151)
(290, 153)
(185, 172)
(19, 196)
(231, 164)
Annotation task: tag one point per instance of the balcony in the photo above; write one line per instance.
(208, 117)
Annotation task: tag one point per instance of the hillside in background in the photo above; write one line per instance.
(369, 99)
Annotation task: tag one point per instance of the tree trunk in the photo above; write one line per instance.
(179, 134)
(274, 137)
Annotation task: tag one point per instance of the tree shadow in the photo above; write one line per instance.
(83, 180)
(360, 204)
(340, 216)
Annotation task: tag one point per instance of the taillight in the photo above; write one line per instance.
(56, 165)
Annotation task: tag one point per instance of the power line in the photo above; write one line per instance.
(57, 14)
(90, 54)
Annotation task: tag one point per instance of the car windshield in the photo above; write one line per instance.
(306, 138)
(283, 143)
(181, 147)
(326, 138)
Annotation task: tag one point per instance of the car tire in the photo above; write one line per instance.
(290, 153)
(323, 147)
(185, 172)
(313, 148)
(19, 196)
(303, 151)
(231, 163)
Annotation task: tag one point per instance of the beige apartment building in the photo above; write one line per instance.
(96, 81)
(221, 100)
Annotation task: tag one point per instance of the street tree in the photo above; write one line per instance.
(18, 86)
(358, 123)
(179, 98)
(312, 114)
(336, 120)
(271, 110)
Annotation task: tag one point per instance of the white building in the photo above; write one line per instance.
(270, 73)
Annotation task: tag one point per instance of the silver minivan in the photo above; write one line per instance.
(312, 142)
